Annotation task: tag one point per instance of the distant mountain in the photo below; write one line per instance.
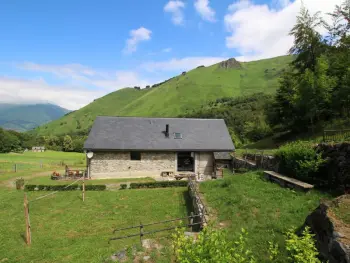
(178, 95)
(20, 117)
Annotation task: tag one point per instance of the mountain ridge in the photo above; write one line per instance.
(177, 95)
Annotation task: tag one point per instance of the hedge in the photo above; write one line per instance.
(159, 184)
(32, 187)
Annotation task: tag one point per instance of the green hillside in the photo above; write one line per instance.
(177, 96)
(26, 117)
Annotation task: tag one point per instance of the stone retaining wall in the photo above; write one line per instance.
(332, 236)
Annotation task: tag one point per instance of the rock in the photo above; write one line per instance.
(337, 235)
(119, 256)
(147, 243)
(230, 63)
(146, 258)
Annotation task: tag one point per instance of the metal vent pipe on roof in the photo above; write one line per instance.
(167, 130)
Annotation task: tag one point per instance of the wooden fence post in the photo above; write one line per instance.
(26, 214)
(15, 167)
(84, 189)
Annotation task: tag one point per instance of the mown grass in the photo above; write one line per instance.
(264, 209)
(65, 229)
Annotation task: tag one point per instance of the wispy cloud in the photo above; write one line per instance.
(176, 9)
(181, 64)
(167, 50)
(136, 36)
(204, 10)
(79, 86)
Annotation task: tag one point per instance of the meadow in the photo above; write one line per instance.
(264, 209)
(66, 229)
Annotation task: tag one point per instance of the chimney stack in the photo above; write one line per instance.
(167, 131)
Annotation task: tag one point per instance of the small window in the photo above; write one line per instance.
(135, 156)
(177, 135)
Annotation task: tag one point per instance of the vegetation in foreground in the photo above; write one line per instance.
(264, 209)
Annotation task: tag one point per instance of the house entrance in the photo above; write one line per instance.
(185, 162)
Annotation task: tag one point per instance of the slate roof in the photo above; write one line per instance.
(136, 133)
(222, 156)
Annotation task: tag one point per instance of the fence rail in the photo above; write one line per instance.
(336, 135)
(141, 227)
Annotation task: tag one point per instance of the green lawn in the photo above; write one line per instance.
(265, 209)
(64, 229)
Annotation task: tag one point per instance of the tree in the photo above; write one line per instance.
(307, 41)
(314, 91)
(67, 143)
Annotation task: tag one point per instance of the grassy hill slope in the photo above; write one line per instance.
(26, 117)
(177, 96)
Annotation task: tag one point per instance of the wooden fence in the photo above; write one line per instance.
(336, 135)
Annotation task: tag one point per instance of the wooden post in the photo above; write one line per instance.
(15, 168)
(26, 214)
(84, 189)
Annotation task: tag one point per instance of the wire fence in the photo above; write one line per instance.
(141, 227)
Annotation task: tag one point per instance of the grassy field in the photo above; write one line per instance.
(64, 229)
(264, 209)
(176, 96)
(33, 161)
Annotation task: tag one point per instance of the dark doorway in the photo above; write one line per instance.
(185, 162)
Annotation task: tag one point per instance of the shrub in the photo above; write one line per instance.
(123, 186)
(211, 246)
(159, 184)
(301, 249)
(19, 183)
(299, 159)
(30, 187)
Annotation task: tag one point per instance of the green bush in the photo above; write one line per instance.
(159, 184)
(123, 186)
(301, 249)
(300, 160)
(211, 246)
(30, 187)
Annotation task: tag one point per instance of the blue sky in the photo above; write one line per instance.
(86, 49)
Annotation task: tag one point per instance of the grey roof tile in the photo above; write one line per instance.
(136, 133)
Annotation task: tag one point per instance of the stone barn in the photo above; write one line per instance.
(146, 147)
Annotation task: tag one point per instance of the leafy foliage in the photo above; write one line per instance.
(299, 159)
(316, 87)
(211, 246)
(159, 184)
(301, 249)
(244, 116)
(32, 187)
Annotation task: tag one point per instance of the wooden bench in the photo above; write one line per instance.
(287, 181)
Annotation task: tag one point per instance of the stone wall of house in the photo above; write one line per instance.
(204, 163)
(118, 164)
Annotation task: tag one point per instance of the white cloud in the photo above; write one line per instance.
(181, 64)
(176, 9)
(205, 11)
(80, 84)
(38, 91)
(259, 31)
(137, 36)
